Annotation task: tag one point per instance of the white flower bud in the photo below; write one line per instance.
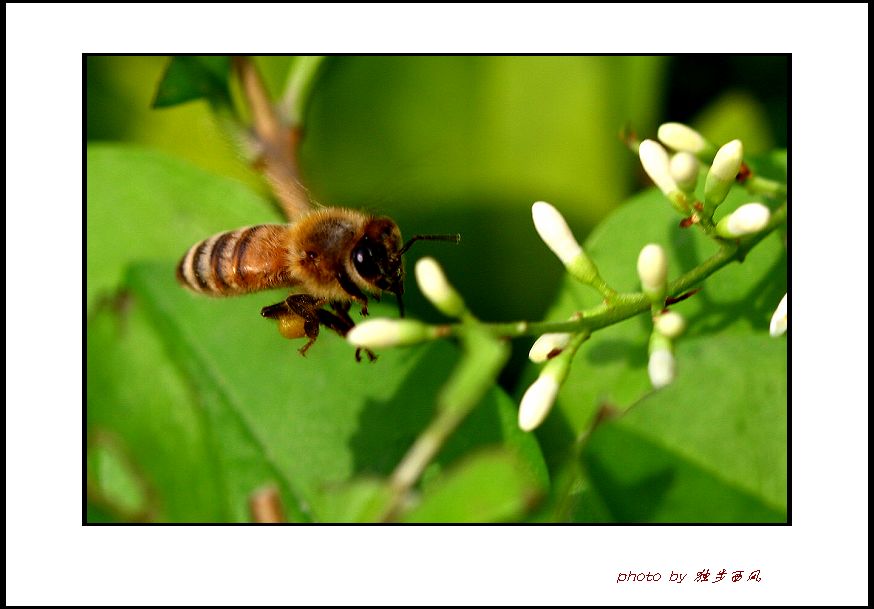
(652, 267)
(745, 220)
(722, 175)
(727, 161)
(670, 324)
(684, 170)
(553, 229)
(662, 368)
(538, 401)
(548, 345)
(780, 319)
(682, 138)
(436, 288)
(656, 163)
(377, 333)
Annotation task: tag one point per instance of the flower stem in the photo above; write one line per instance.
(482, 360)
(624, 306)
(765, 186)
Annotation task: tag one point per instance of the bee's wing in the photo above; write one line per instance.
(294, 198)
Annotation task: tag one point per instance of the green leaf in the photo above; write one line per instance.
(190, 77)
(114, 483)
(144, 204)
(359, 500)
(711, 447)
(133, 389)
(313, 421)
(136, 397)
(490, 486)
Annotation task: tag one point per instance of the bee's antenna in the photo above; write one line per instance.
(456, 238)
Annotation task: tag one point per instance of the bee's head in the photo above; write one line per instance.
(378, 256)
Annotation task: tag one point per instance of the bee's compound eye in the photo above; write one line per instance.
(366, 258)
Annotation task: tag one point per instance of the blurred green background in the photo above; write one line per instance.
(441, 144)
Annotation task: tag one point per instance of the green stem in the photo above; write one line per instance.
(605, 290)
(482, 360)
(301, 78)
(624, 306)
(765, 186)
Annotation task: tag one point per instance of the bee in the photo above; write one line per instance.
(331, 256)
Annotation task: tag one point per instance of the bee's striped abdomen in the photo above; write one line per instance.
(237, 262)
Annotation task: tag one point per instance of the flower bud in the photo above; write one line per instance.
(437, 289)
(670, 324)
(652, 267)
(683, 138)
(780, 319)
(377, 333)
(662, 368)
(548, 346)
(537, 402)
(553, 229)
(745, 220)
(684, 170)
(657, 165)
(722, 174)
(540, 396)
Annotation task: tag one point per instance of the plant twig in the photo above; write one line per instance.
(277, 143)
(265, 506)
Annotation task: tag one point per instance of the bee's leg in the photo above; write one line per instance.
(298, 316)
(350, 288)
(370, 354)
(342, 310)
(341, 323)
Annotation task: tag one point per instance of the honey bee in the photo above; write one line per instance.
(332, 256)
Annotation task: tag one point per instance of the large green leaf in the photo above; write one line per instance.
(145, 204)
(311, 421)
(136, 397)
(711, 447)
